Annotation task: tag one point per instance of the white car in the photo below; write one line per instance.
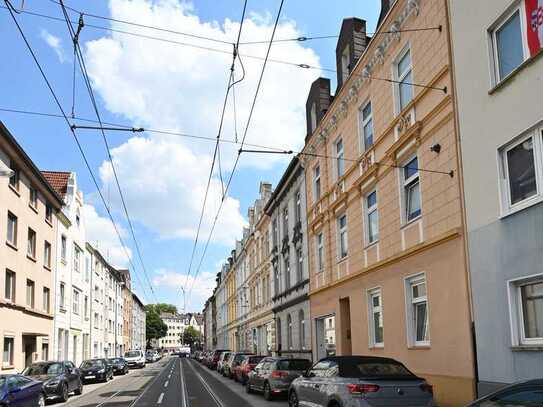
(135, 358)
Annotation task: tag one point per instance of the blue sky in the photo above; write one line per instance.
(163, 86)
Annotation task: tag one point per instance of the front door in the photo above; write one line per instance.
(29, 346)
(345, 324)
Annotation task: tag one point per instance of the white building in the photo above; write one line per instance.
(137, 325)
(71, 337)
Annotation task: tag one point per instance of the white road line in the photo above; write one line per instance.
(144, 390)
(159, 401)
(184, 399)
(206, 386)
(166, 384)
(170, 376)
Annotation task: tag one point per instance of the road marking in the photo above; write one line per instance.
(170, 376)
(206, 386)
(166, 384)
(109, 398)
(184, 400)
(144, 390)
(159, 401)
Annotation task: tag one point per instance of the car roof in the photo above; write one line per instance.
(360, 359)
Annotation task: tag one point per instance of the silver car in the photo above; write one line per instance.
(360, 381)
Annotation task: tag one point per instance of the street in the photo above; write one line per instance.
(171, 382)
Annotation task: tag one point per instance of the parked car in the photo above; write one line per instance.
(273, 375)
(248, 363)
(234, 360)
(59, 378)
(527, 393)
(213, 359)
(151, 356)
(222, 360)
(96, 370)
(135, 358)
(19, 391)
(363, 381)
(119, 365)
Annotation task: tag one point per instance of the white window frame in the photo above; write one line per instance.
(340, 156)
(11, 352)
(319, 246)
(362, 122)
(317, 185)
(410, 281)
(62, 296)
(516, 316)
(340, 232)
(400, 77)
(75, 301)
(367, 212)
(519, 6)
(13, 285)
(12, 223)
(372, 293)
(403, 195)
(506, 207)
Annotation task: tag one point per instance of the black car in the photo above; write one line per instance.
(58, 378)
(20, 391)
(119, 365)
(96, 370)
(526, 393)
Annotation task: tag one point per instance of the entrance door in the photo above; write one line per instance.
(325, 336)
(29, 346)
(345, 325)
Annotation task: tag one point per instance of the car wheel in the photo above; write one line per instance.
(293, 399)
(267, 392)
(248, 388)
(41, 400)
(79, 390)
(64, 392)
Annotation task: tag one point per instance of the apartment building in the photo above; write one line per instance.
(177, 323)
(500, 117)
(221, 308)
(128, 308)
(242, 296)
(71, 339)
(231, 303)
(385, 216)
(138, 337)
(260, 319)
(29, 207)
(209, 322)
(287, 211)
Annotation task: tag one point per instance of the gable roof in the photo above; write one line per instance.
(58, 180)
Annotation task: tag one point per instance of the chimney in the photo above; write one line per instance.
(385, 7)
(351, 44)
(317, 104)
(251, 215)
(265, 190)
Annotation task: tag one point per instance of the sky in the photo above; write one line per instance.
(140, 82)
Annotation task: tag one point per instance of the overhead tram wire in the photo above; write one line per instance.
(79, 146)
(216, 154)
(74, 36)
(242, 144)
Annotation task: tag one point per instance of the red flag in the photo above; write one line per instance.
(534, 26)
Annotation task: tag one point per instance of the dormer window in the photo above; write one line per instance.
(345, 62)
(313, 117)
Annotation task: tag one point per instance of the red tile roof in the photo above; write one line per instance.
(58, 180)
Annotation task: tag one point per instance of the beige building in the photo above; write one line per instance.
(28, 208)
(385, 218)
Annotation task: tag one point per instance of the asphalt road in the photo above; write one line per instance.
(171, 382)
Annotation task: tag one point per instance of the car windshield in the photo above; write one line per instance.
(91, 363)
(253, 360)
(379, 369)
(132, 354)
(44, 369)
(116, 360)
(294, 364)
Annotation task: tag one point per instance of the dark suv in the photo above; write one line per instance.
(59, 378)
(213, 359)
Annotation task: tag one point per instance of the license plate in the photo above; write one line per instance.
(90, 377)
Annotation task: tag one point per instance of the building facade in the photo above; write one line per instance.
(502, 149)
(128, 307)
(385, 215)
(29, 207)
(290, 274)
(138, 338)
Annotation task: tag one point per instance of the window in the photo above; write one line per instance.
(49, 213)
(63, 248)
(7, 358)
(411, 190)
(286, 265)
(417, 310)
(376, 317)
(521, 171)
(299, 264)
(30, 289)
(320, 252)
(372, 218)
(77, 258)
(285, 222)
(298, 212)
(62, 303)
(33, 198)
(45, 351)
(77, 218)
(313, 117)
(46, 299)
(301, 326)
(525, 395)
(508, 45)
(345, 62)
(47, 254)
(366, 127)
(31, 251)
(317, 182)
(9, 290)
(527, 312)
(275, 232)
(12, 229)
(404, 74)
(342, 236)
(87, 269)
(14, 179)
(289, 331)
(340, 159)
(75, 302)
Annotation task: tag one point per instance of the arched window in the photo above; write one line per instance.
(289, 331)
(278, 335)
(301, 325)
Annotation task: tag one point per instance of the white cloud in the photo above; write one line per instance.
(55, 43)
(202, 287)
(164, 86)
(102, 236)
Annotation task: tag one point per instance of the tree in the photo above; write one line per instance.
(191, 335)
(155, 328)
(162, 307)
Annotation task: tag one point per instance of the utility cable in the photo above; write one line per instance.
(80, 147)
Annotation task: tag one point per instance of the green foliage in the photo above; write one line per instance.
(155, 328)
(191, 335)
(162, 307)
